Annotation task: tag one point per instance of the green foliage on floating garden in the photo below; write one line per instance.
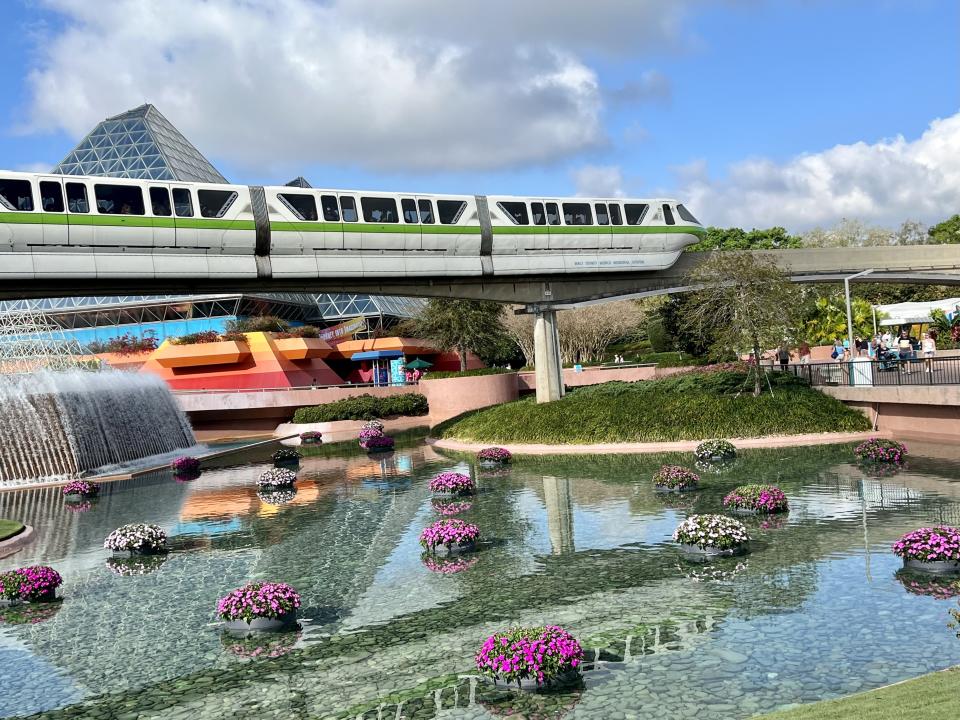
(691, 406)
(443, 374)
(363, 407)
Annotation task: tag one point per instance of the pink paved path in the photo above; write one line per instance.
(772, 441)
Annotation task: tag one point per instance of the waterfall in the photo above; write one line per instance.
(56, 425)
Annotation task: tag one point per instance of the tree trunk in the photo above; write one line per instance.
(462, 351)
(756, 377)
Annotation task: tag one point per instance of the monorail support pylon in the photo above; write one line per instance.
(546, 356)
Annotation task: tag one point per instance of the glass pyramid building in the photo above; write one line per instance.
(140, 143)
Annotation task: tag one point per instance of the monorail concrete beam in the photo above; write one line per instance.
(546, 356)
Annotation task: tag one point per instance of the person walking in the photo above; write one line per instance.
(929, 347)
(837, 353)
(804, 351)
(783, 356)
(905, 350)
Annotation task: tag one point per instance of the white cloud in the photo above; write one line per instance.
(884, 183)
(382, 84)
(598, 181)
(34, 167)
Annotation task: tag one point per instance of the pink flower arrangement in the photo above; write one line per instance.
(31, 584)
(81, 487)
(311, 437)
(449, 531)
(762, 498)
(675, 477)
(543, 654)
(453, 483)
(451, 508)
(940, 543)
(258, 600)
(448, 566)
(368, 432)
(881, 450)
(494, 454)
(186, 465)
(379, 442)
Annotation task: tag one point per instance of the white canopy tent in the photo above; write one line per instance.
(907, 313)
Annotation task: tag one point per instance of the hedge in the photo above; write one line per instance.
(363, 407)
(443, 374)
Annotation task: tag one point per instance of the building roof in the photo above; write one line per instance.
(140, 143)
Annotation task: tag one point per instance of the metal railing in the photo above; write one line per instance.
(341, 386)
(891, 371)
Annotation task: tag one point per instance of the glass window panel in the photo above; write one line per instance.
(686, 215)
(348, 208)
(215, 203)
(16, 194)
(601, 210)
(553, 214)
(160, 201)
(635, 212)
(300, 204)
(182, 202)
(539, 215)
(77, 198)
(668, 215)
(119, 199)
(409, 208)
(331, 212)
(426, 211)
(379, 210)
(577, 214)
(51, 196)
(449, 211)
(615, 217)
(516, 212)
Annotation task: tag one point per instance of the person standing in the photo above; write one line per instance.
(905, 350)
(929, 347)
(783, 356)
(804, 351)
(837, 353)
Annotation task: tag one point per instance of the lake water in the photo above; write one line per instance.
(816, 610)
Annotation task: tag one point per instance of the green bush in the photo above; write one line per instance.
(659, 337)
(442, 374)
(363, 407)
(258, 323)
(692, 406)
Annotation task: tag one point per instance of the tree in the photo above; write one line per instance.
(946, 232)
(737, 239)
(462, 326)
(742, 300)
(826, 320)
(520, 329)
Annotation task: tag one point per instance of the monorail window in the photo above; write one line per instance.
(301, 205)
(686, 214)
(215, 203)
(51, 196)
(409, 208)
(379, 210)
(553, 214)
(77, 198)
(119, 199)
(331, 213)
(516, 211)
(426, 211)
(668, 215)
(16, 194)
(603, 218)
(615, 217)
(577, 214)
(635, 213)
(449, 211)
(160, 202)
(348, 208)
(182, 202)
(539, 216)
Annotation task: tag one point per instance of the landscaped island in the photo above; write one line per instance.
(687, 407)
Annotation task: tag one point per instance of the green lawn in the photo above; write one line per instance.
(931, 697)
(9, 528)
(691, 406)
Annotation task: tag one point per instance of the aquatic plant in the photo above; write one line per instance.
(762, 498)
(136, 537)
(185, 465)
(453, 483)
(675, 477)
(543, 654)
(449, 531)
(715, 450)
(711, 531)
(277, 478)
(30, 584)
(494, 454)
(258, 600)
(881, 450)
(84, 488)
(940, 543)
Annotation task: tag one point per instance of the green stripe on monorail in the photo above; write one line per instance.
(398, 228)
(131, 221)
(598, 230)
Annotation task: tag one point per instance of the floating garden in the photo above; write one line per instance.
(531, 657)
(453, 483)
(756, 499)
(80, 490)
(137, 539)
(35, 583)
(450, 535)
(930, 549)
(881, 451)
(712, 535)
(259, 606)
(674, 478)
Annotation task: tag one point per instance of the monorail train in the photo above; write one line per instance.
(67, 226)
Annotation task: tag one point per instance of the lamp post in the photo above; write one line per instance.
(846, 292)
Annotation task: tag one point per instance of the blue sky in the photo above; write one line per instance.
(754, 112)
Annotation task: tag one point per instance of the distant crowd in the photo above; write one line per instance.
(886, 348)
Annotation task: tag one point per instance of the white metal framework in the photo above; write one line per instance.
(30, 342)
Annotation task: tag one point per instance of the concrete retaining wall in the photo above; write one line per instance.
(454, 396)
(930, 412)
(596, 375)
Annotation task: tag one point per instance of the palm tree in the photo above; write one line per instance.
(828, 320)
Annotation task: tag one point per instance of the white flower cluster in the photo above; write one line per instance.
(277, 478)
(716, 531)
(136, 537)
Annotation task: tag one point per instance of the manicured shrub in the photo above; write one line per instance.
(205, 336)
(881, 450)
(84, 488)
(136, 537)
(364, 407)
(715, 450)
(258, 600)
(258, 323)
(30, 584)
(926, 544)
(444, 374)
(277, 478)
(711, 531)
(233, 336)
(494, 455)
(453, 483)
(543, 654)
(675, 477)
(762, 498)
(449, 531)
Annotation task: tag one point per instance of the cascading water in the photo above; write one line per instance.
(56, 424)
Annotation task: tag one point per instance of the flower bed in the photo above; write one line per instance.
(453, 483)
(259, 606)
(494, 455)
(277, 497)
(935, 549)
(540, 655)
(375, 444)
(712, 450)
(129, 566)
(881, 450)
(286, 456)
(369, 432)
(712, 534)
(675, 478)
(81, 489)
(36, 583)
(277, 478)
(451, 534)
(451, 508)
(757, 498)
(311, 437)
(137, 538)
(448, 566)
(186, 466)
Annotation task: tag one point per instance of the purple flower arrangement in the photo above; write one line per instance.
(258, 600)
(186, 466)
(277, 478)
(453, 483)
(82, 488)
(448, 566)
(759, 498)
(881, 450)
(940, 543)
(451, 508)
(368, 432)
(494, 455)
(675, 477)
(35, 583)
(311, 437)
(381, 442)
(137, 538)
(543, 654)
(448, 532)
(711, 531)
